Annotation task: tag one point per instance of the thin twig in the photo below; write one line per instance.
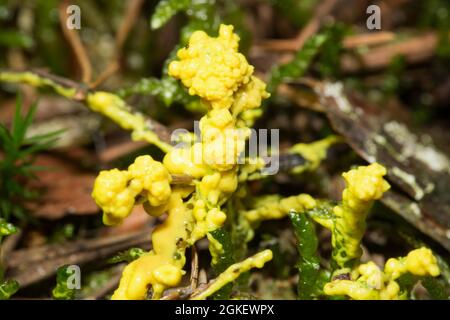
(29, 266)
(311, 28)
(75, 42)
(414, 50)
(177, 293)
(194, 267)
(349, 42)
(129, 20)
(368, 39)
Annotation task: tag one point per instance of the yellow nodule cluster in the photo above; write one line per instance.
(222, 142)
(163, 266)
(234, 271)
(213, 69)
(247, 101)
(419, 262)
(115, 191)
(369, 282)
(273, 207)
(365, 184)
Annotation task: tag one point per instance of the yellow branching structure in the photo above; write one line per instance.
(234, 271)
(365, 184)
(369, 282)
(213, 69)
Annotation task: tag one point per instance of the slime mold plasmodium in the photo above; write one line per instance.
(369, 282)
(213, 69)
(365, 184)
(346, 221)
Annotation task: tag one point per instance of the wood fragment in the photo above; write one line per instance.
(418, 169)
(75, 42)
(415, 50)
(194, 268)
(32, 265)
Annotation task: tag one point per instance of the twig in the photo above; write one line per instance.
(29, 266)
(127, 24)
(349, 42)
(75, 42)
(202, 277)
(177, 293)
(368, 39)
(414, 50)
(8, 245)
(120, 149)
(322, 10)
(194, 267)
(303, 98)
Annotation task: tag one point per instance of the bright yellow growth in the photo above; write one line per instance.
(117, 110)
(420, 262)
(369, 282)
(115, 191)
(234, 271)
(213, 69)
(364, 185)
(346, 222)
(273, 207)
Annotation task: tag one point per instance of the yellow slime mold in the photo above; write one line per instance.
(369, 282)
(234, 271)
(213, 69)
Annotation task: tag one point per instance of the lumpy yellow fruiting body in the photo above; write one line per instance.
(212, 68)
(215, 249)
(365, 184)
(418, 262)
(234, 271)
(115, 191)
(186, 161)
(274, 207)
(369, 282)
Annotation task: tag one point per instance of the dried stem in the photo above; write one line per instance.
(127, 24)
(349, 42)
(194, 267)
(50, 257)
(75, 42)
